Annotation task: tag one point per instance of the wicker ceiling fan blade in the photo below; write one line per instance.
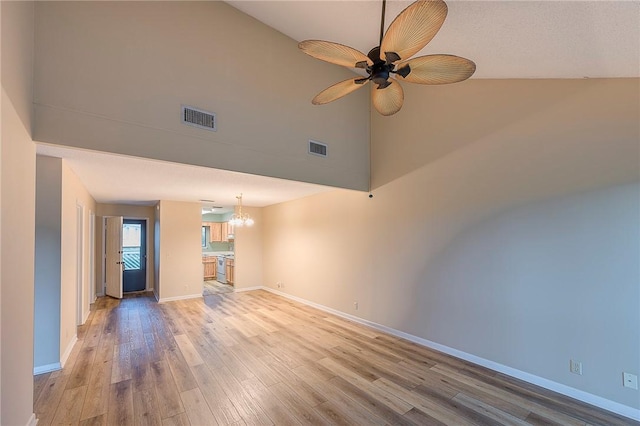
(436, 69)
(413, 28)
(335, 53)
(389, 100)
(338, 90)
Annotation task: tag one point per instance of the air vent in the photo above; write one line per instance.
(199, 118)
(317, 148)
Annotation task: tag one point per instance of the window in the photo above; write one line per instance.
(131, 244)
(205, 236)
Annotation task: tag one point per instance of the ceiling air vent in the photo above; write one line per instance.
(199, 118)
(317, 148)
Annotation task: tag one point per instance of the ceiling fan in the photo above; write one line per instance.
(409, 32)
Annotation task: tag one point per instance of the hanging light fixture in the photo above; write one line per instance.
(238, 218)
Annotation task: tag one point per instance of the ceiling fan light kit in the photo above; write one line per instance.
(409, 32)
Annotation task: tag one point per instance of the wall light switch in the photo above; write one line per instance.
(630, 380)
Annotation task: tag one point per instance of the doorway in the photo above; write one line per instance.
(134, 255)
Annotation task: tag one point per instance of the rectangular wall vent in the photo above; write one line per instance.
(199, 118)
(317, 148)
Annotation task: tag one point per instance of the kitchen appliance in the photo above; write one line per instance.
(222, 270)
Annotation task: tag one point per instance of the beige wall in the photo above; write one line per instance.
(128, 212)
(74, 194)
(257, 82)
(181, 273)
(17, 225)
(248, 251)
(507, 230)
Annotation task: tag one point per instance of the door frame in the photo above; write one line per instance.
(92, 257)
(80, 291)
(103, 278)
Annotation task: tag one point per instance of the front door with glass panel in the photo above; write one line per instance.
(134, 255)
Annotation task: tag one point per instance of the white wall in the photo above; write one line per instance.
(181, 273)
(204, 54)
(248, 251)
(17, 226)
(73, 194)
(48, 261)
(510, 235)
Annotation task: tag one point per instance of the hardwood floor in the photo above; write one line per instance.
(256, 358)
(214, 287)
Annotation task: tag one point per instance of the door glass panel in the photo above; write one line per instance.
(131, 242)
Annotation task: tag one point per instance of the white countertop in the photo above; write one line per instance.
(229, 254)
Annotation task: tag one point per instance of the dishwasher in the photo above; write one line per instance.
(222, 270)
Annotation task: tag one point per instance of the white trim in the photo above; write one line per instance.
(598, 401)
(67, 352)
(47, 368)
(240, 290)
(33, 420)
(103, 259)
(173, 299)
(92, 257)
(80, 267)
(86, 317)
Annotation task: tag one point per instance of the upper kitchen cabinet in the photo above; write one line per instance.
(215, 232)
(227, 230)
(218, 231)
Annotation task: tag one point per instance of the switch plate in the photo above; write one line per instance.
(630, 380)
(575, 367)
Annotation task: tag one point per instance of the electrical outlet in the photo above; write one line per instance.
(630, 380)
(575, 367)
(279, 284)
(355, 305)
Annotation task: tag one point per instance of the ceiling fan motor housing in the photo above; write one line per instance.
(380, 70)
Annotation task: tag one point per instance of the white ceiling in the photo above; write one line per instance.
(119, 179)
(506, 39)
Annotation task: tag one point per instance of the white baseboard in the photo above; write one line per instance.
(67, 352)
(33, 421)
(240, 290)
(598, 401)
(172, 299)
(41, 369)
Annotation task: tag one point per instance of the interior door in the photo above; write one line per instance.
(134, 255)
(114, 263)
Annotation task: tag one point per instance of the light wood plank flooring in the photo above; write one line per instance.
(256, 358)
(214, 287)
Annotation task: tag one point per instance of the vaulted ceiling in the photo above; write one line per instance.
(506, 39)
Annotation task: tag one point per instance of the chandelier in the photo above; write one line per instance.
(238, 218)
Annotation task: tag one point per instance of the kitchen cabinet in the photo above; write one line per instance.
(227, 229)
(230, 267)
(218, 231)
(215, 232)
(210, 268)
